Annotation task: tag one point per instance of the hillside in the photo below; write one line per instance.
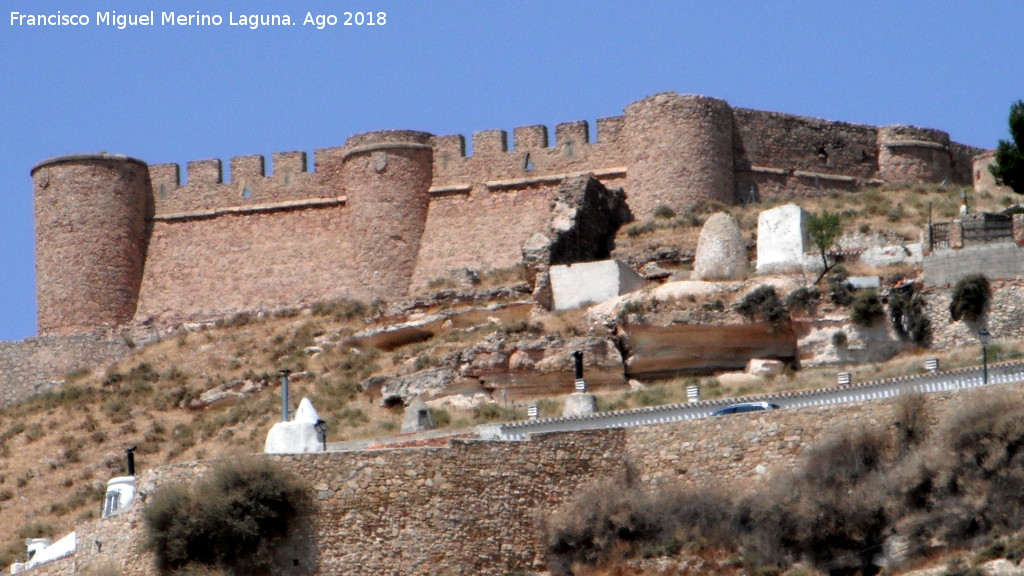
(212, 389)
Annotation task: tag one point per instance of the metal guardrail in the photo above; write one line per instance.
(931, 382)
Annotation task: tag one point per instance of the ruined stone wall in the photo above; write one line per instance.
(400, 511)
(908, 154)
(36, 365)
(1004, 318)
(781, 155)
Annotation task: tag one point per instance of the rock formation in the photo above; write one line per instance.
(721, 252)
(584, 219)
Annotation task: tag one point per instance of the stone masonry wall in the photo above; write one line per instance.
(36, 365)
(781, 155)
(481, 230)
(214, 247)
(199, 268)
(472, 507)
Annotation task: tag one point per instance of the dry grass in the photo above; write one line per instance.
(896, 213)
(58, 450)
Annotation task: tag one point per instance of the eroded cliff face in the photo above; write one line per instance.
(662, 351)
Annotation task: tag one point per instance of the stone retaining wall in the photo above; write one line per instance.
(473, 507)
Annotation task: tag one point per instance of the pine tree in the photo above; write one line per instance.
(1009, 165)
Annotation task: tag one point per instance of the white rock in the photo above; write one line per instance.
(721, 252)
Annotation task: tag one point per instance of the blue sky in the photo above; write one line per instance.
(174, 94)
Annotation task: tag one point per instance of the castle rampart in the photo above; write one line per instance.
(391, 210)
(90, 213)
(907, 155)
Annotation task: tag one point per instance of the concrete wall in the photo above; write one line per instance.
(574, 285)
(996, 260)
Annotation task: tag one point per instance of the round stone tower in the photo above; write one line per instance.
(908, 154)
(681, 151)
(387, 176)
(90, 218)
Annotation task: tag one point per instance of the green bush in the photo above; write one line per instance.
(762, 303)
(866, 308)
(488, 413)
(231, 519)
(664, 211)
(616, 516)
(804, 298)
(908, 316)
(840, 291)
(970, 298)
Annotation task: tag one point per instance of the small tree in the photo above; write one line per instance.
(232, 519)
(907, 311)
(1009, 165)
(824, 229)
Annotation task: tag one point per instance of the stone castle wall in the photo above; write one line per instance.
(122, 244)
(36, 365)
(391, 210)
(401, 511)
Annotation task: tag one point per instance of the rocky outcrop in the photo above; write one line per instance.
(584, 218)
(662, 351)
(423, 327)
(836, 340)
(542, 364)
(404, 390)
(721, 252)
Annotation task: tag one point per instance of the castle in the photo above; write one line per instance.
(120, 242)
(123, 246)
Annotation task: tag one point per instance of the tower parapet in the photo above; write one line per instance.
(908, 154)
(681, 149)
(387, 175)
(90, 214)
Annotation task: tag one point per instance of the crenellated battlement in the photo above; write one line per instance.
(390, 210)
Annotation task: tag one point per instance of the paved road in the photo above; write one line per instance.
(939, 381)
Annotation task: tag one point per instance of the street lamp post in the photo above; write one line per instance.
(284, 372)
(984, 336)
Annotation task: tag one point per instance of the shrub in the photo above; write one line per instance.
(840, 292)
(638, 229)
(488, 413)
(230, 519)
(441, 417)
(762, 303)
(866, 308)
(803, 298)
(664, 211)
(970, 298)
(616, 515)
(911, 413)
(909, 319)
(840, 339)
